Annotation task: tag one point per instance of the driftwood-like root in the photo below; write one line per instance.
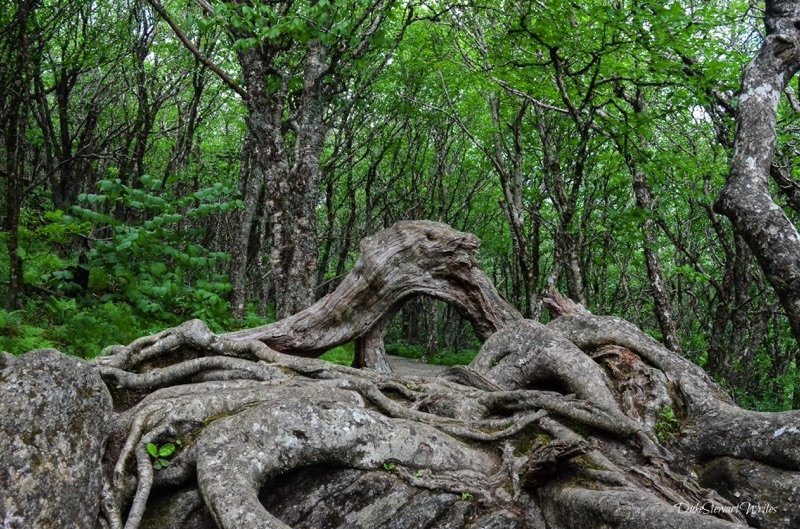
(557, 426)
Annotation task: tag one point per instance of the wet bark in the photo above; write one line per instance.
(560, 425)
(746, 198)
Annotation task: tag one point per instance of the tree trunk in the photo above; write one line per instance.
(15, 146)
(295, 275)
(746, 198)
(525, 244)
(661, 304)
(580, 423)
(290, 179)
(251, 182)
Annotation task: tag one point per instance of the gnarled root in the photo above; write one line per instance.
(582, 422)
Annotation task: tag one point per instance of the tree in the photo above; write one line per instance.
(19, 51)
(297, 60)
(583, 421)
(746, 198)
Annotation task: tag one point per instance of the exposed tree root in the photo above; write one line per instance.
(412, 257)
(555, 426)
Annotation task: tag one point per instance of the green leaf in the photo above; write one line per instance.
(152, 449)
(158, 269)
(166, 450)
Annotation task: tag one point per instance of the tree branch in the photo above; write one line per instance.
(233, 85)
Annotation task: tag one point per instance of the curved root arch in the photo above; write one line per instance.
(410, 258)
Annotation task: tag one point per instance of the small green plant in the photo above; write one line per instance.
(667, 425)
(389, 466)
(161, 454)
(466, 496)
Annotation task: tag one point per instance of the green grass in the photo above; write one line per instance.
(84, 327)
(342, 355)
(446, 357)
(453, 358)
(405, 350)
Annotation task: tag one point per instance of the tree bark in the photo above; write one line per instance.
(290, 179)
(294, 262)
(583, 422)
(644, 200)
(745, 199)
(251, 183)
(14, 132)
(395, 265)
(525, 242)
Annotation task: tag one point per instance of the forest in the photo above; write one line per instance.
(169, 160)
(220, 216)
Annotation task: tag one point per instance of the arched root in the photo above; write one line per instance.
(297, 432)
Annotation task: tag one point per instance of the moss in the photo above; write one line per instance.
(586, 462)
(524, 443)
(667, 426)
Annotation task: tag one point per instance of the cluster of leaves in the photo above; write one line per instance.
(332, 22)
(667, 425)
(152, 261)
(161, 454)
(57, 313)
(146, 272)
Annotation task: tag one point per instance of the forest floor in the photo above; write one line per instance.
(407, 366)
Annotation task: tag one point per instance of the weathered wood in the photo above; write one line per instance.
(411, 257)
(746, 198)
(582, 422)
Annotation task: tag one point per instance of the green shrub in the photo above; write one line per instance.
(405, 350)
(17, 337)
(157, 262)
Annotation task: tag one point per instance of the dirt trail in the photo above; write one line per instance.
(406, 366)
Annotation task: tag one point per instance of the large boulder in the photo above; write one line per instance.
(54, 421)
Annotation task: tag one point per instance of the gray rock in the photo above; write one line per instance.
(54, 421)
